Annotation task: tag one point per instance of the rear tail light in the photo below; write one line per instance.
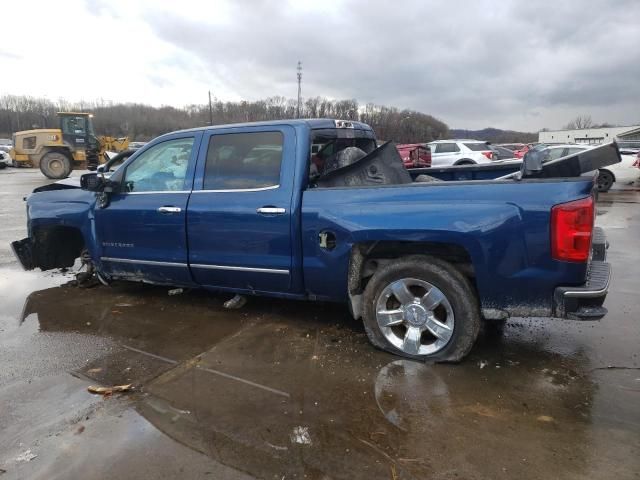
(637, 162)
(489, 155)
(571, 230)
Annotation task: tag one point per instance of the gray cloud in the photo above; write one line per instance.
(511, 64)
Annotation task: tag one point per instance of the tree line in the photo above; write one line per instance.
(144, 122)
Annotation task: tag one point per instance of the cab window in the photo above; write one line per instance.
(243, 161)
(161, 168)
(74, 125)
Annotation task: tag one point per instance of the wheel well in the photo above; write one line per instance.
(465, 161)
(57, 247)
(367, 257)
(63, 150)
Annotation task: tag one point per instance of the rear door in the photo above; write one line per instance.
(444, 154)
(239, 215)
(142, 232)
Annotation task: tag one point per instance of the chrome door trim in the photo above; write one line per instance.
(258, 189)
(239, 269)
(143, 262)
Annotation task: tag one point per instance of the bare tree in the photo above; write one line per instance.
(144, 122)
(580, 122)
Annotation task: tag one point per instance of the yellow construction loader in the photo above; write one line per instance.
(57, 151)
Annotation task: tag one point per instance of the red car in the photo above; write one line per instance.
(415, 155)
(520, 153)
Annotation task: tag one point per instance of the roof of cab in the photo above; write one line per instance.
(312, 123)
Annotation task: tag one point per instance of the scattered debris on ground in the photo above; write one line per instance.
(110, 390)
(236, 302)
(25, 456)
(545, 418)
(301, 435)
(175, 291)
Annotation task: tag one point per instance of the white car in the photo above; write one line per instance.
(459, 152)
(623, 172)
(5, 159)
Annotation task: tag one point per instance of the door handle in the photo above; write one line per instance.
(169, 209)
(271, 211)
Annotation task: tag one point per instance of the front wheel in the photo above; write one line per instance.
(55, 165)
(605, 180)
(423, 308)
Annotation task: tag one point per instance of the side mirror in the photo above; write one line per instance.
(92, 182)
(100, 169)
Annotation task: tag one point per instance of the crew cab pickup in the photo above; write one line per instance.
(247, 208)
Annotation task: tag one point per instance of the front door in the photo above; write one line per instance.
(239, 218)
(142, 231)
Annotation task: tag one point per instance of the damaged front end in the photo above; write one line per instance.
(23, 250)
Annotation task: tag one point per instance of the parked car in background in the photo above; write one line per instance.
(629, 147)
(5, 159)
(415, 155)
(623, 172)
(520, 153)
(501, 153)
(511, 146)
(459, 152)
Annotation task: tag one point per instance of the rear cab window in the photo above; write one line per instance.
(327, 145)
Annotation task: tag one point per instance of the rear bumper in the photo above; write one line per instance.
(584, 302)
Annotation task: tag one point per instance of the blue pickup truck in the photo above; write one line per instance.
(315, 210)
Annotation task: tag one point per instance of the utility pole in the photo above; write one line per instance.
(210, 110)
(299, 87)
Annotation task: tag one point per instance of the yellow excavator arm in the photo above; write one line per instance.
(113, 144)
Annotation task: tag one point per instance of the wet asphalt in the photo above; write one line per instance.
(283, 389)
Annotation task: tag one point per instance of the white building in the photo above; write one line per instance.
(592, 136)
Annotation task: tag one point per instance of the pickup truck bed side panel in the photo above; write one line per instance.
(503, 227)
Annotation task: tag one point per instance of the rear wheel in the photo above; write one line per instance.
(423, 308)
(55, 165)
(605, 180)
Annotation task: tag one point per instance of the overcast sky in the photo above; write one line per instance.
(508, 64)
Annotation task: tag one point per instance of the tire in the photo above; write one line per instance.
(3, 166)
(605, 180)
(453, 305)
(55, 165)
